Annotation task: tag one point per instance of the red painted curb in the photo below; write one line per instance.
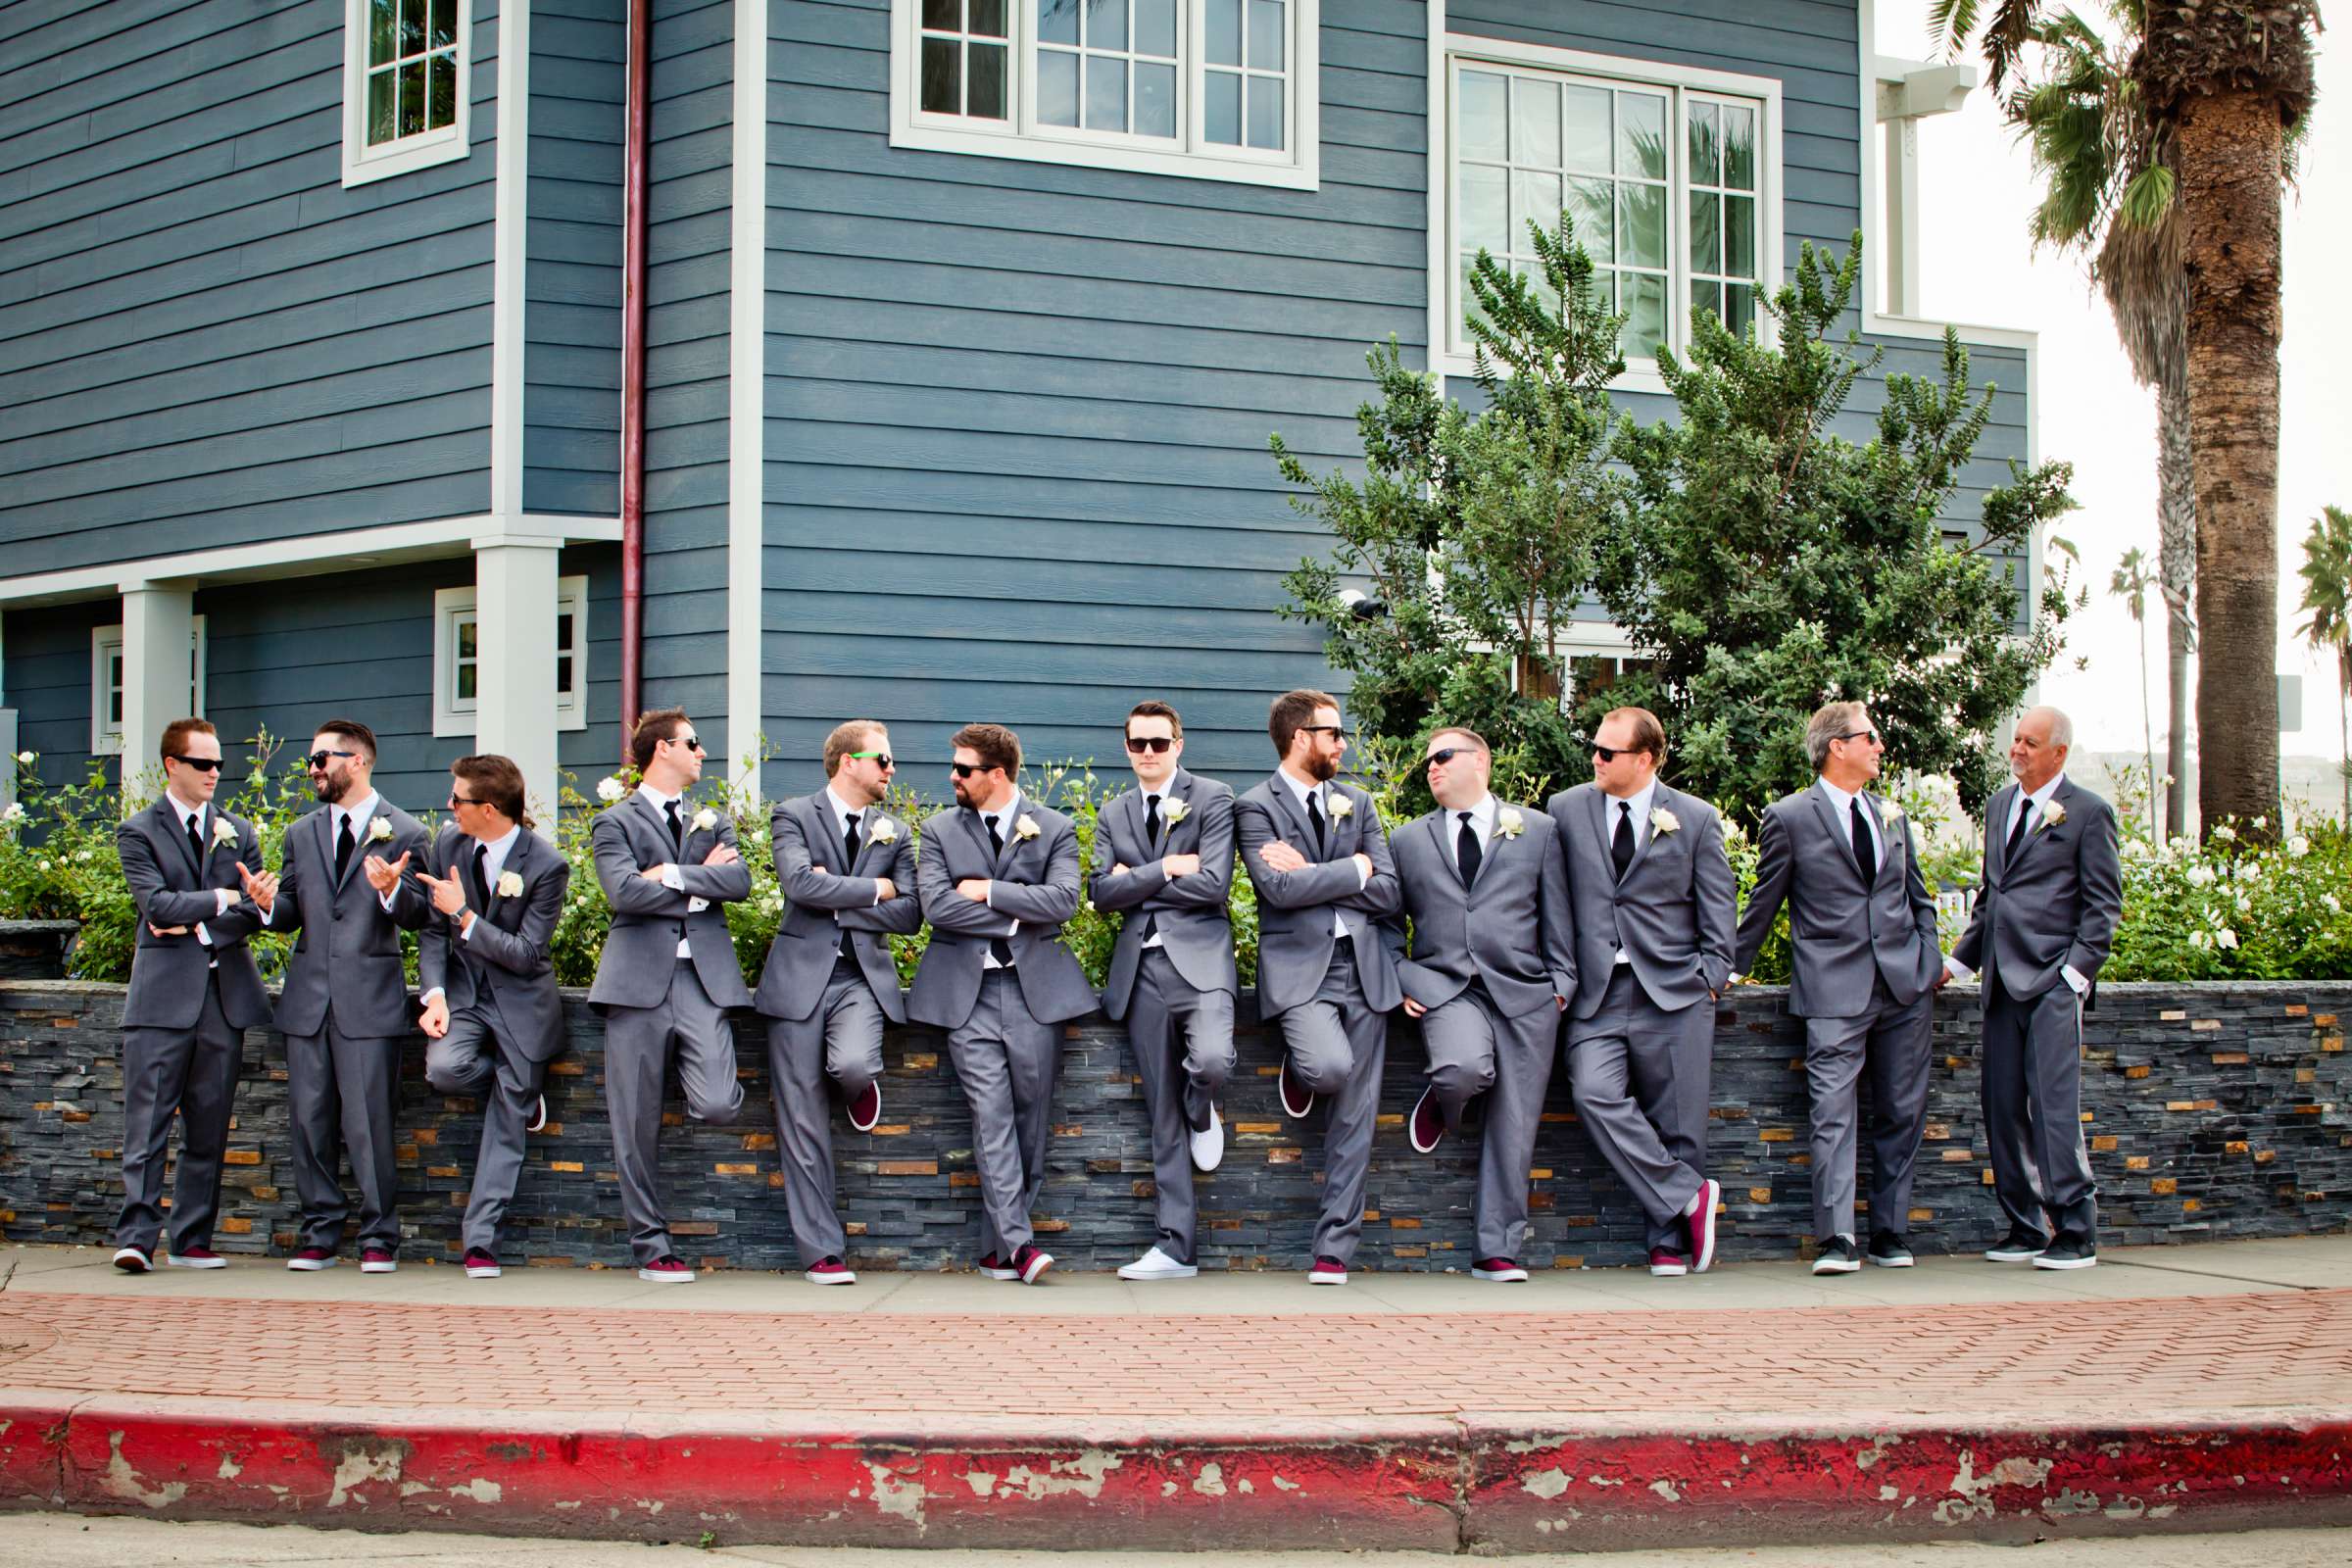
(1497, 1484)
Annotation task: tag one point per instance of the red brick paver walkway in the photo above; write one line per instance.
(2094, 1361)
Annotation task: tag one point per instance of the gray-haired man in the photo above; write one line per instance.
(1866, 961)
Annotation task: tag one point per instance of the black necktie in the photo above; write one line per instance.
(196, 839)
(677, 829)
(849, 853)
(2017, 832)
(998, 948)
(1866, 860)
(1314, 819)
(343, 847)
(1150, 837)
(1621, 843)
(1466, 851)
(481, 879)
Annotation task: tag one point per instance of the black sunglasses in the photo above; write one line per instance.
(882, 759)
(693, 743)
(1607, 754)
(1446, 753)
(319, 759)
(1140, 744)
(455, 799)
(1335, 731)
(967, 769)
(202, 764)
(1870, 735)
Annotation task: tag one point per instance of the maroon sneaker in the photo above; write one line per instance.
(197, 1257)
(310, 1260)
(1667, 1263)
(667, 1269)
(996, 1268)
(134, 1259)
(379, 1260)
(1297, 1099)
(481, 1263)
(866, 1109)
(1427, 1124)
(1503, 1269)
(1030, 1263)
(1700, 1216)
(538, 1121)
(830, 1271)
(1327, 1271)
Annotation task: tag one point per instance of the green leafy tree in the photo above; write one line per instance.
(1772, 565)
(1475, 534)
(2327, 573)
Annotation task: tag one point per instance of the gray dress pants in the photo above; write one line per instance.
(1162, 1012)
(193, 1072)
(1889, 1041)
(1006, 1061)
(840, 1040)
(1513, 1056)
(1640, 1079)
(474, 1059)
(1339, 1046)
(342, 1092)
(638, 1042)
(2033, 1093)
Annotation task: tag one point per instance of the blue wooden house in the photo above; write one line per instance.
(962, 325)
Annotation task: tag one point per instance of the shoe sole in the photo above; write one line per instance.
(1035, 1270)
(538, 1123)
(1711, 1194)
(652, 1278)
(1002, 1273)
(177, 1261)
(1216, 1151)
(1668, 1271)
(310, 1265)
(1181, 1272)
(1840, 1266)
(2046, 1261)
(480, 1271)
(2012, 1257)
(1507, 1276)
(843, 1278)
(379, 1268)
(130, 1262)
(1294, 1112)
(1313, 1278)
(1412, 1127)
(870, 1122)
(1891, 1262)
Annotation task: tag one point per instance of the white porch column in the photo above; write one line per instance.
(158, 676)
(514, 692)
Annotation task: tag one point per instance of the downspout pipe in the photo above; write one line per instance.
(634, 145)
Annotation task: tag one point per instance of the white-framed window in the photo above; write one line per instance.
(1211, 90)
(457, 662)
(1669, 175)
(405, 70)
(106, 684)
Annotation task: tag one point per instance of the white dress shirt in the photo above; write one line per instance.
(844, 815)
(358, 813)
(2036, 802)
(1004, 816)
(670, 878)
(1640, 800)
(1842, 805)
(1482, 825)
(1160, 794)
(494, 860)
(191, 820)
(1321, 795)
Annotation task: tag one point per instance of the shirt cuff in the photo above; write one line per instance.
(1363, 874)
(427, 1000)
(671, 880)
(1958, 970)
(201, 935)
(385, 899)
(694, 905)
(466, 934)
(2073, 979)
(224, 898)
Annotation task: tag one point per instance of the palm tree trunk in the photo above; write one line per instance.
(2229, 153)
(2147, 730)
(2176, 569)
(2343, 726)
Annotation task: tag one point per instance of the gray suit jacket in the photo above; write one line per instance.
(641, 951)
(824, 902)
(347, 961)
(505, 966)
(168, 887)
(2057, 904)
(1035, 881)
(1294, 938)
(1840, 930)
(1673, 914)
(1511, 929)
(1190, 912)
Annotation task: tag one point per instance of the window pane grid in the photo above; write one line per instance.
(1108, 66)
(412, 85)
(1246, 73)
(1720, 146)
(964, 59)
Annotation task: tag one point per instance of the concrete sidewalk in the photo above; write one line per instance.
(2175, 1387)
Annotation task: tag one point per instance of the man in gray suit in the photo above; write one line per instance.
(193, 994)
(1867, 965)
(847, 868)
(1319, 859)
(488, 982)
(1492, 966)
(1654, 897)
(1170, 844)
(667, 973)
(2044, 919)
(345, 1007)
(999, 877)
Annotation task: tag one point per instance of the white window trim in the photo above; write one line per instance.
(1449, 49)
(106, 736)
(363, 164)
(1297, 168)
(451, 603)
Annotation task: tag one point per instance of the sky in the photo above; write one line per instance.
(1979, 267)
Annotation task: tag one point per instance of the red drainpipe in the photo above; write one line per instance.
(635, 136)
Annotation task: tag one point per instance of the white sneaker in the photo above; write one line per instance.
(1208, 1144)
(1157, 1265)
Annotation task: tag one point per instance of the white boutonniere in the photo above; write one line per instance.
(705, 820)
(1661, 820)
(884, 831)
(1026, 828)
(379, 831)
(1175, 812)
(2052, 815)
(1510, 823)
(1342, 807)
(610, 789)
(223, 831)
(510, 884)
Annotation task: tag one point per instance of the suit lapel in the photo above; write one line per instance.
(168, 823)
(1599, 812)
(359, 843)
(1877, 815)
(1288, 799)
(1996, 828)
(1661, 799)
(1435, 822)
(2039, 828)
(1009, 826)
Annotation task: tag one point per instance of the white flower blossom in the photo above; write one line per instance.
(2201, 875)
(610, 789)
(705, 820)
(2199, 941)
(379, 831)
(1026, 828)
(2249, 871)
(2226, 833)
(223, 830)
(13, 812)
(2261, 823)
(1175, 812)
(2335, 906)
(1661, 820)
(2225, 938)
(510, 884)
(1342, 807)
(2298, 846)
(25, 758)
(884, 831)
(1510, 823)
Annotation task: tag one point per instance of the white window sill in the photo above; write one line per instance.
(1640, 376)
(446, 147)
(1135, 160)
